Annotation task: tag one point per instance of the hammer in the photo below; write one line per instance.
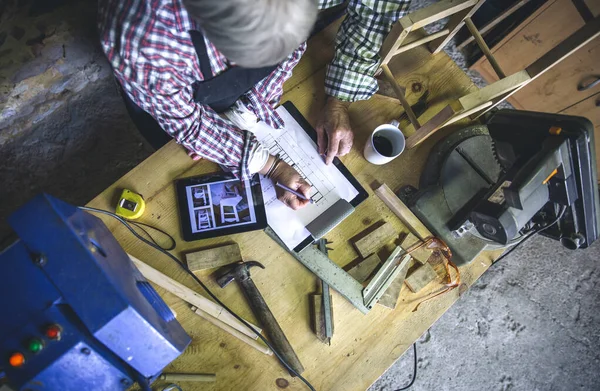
(241, 273)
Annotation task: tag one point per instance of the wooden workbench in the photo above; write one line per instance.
(363, 346)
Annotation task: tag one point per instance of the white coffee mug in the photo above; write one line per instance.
(394, 145)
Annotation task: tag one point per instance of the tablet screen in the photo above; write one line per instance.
(218, 205)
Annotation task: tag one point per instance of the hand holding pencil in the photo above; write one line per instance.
(291, 188)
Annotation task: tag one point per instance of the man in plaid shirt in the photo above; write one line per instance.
(207, 70)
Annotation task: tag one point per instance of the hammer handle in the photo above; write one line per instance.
(269, 323)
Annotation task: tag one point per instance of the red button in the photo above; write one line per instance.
(16, 359)
(53, 332)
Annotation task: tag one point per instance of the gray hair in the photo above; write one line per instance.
(255, 33)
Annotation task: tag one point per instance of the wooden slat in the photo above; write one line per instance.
(484, 48)
(390, 298)
(405, 215)
(435, 123)
(422, 41)
(185, 293)
(420, 255)
(400, 94)
(227, 328)
(437, 11)
(455, 23)
(394, 39)
(492, 91)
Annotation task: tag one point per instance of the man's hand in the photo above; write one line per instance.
(334, 135)
(289, 177)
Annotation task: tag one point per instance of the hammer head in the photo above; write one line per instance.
(237, 271)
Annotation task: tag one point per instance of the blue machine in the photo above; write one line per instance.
(76, 313)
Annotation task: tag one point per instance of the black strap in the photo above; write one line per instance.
(202, 53)
(220, 92)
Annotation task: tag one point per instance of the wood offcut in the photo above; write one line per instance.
(213, 257)
(318, 317)
(375, 240)
(365, 268)
(421, 277)
(421, 254)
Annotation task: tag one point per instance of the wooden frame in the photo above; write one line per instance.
(478, 103)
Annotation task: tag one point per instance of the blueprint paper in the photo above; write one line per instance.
(328, 185)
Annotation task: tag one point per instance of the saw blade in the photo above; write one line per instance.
(504, 154)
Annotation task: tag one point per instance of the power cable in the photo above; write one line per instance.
(532, 234)
(414, 376)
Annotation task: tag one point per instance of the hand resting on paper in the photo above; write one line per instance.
(286, 175)
(334, 134)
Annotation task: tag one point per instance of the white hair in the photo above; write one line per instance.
(255, 33)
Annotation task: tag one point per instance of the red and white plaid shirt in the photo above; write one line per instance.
(151, 52)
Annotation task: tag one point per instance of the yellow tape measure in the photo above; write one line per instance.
(131, 205)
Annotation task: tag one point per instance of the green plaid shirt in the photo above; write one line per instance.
(349, 76)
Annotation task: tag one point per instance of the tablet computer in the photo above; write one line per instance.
(219, 204)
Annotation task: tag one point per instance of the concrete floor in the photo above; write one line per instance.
(530, 323)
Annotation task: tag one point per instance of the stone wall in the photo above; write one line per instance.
(48, 53)
(63, 126)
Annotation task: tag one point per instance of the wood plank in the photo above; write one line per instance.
(493, 91)
(213, 257)
(375, 240)
(439, 120)
(530, 41)
(421, 277)
(593, 6)
(455, 23)
(365, 268)
(405, 215)
(565, 48)
(437, 11)
(556, 75)
(379, 338)
(185, 293)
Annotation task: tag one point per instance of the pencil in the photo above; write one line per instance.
(299, 195)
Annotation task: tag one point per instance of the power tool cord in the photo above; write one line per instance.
(208, 291)
(414, 376)
(532, 234)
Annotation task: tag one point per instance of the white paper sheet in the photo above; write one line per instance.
(328, 185)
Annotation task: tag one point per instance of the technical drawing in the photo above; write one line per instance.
(285, 147)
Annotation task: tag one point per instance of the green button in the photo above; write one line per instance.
(35, 345)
